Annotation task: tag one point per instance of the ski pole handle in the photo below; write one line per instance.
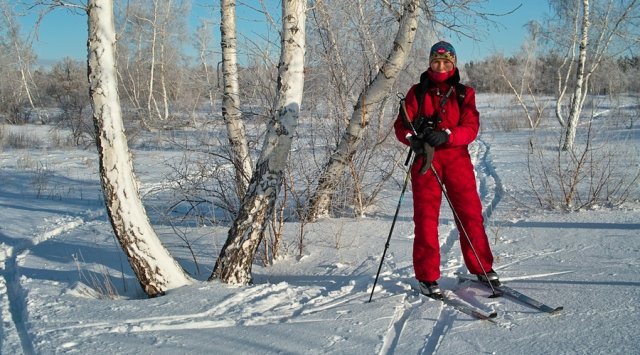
(413, 130)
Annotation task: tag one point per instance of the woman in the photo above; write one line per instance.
(443, 120)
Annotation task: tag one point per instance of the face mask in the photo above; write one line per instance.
(440, 77)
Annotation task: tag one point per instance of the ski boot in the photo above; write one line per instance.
(430, 289)
(490, 278)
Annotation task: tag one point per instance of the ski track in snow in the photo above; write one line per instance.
(394, 331)
(13, 307)
(439, 331)
(271, 303)
(491, 187)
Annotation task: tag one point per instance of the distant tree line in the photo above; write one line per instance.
(614, 76)
(63, 84)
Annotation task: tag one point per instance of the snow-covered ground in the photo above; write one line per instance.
(56, 246)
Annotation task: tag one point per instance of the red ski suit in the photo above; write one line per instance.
(453, 164)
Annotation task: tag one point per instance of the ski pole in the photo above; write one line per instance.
(393, 223)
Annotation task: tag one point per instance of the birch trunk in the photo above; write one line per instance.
(231, 98)
(367, 41)
(163, 84)
(154, 267)
(576, 98)
(371, 95)
(14, 33)
(236, 258)
(334, 60)
(616, 21)
(152, 65)
(202, 34)
(166, 15)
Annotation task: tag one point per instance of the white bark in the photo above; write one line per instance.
(334, 60)
(14, 33)
(611, 21)
(562, 83)
(203, 38)
(155, 269)
(152, 65)
(231, 98)
(236, 258)
(367, 41)
(161, 11)
(163, 83)
(576, 98)
(371, 95)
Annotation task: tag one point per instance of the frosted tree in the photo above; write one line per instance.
(154, 267)
(520, 77)
(149, 57)
(236, 258)
(373, 94)
(231, 98)
(20, 52)
(593, 28)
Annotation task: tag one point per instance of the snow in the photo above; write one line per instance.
(57, 246)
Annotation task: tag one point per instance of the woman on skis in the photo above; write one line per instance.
(439, 121)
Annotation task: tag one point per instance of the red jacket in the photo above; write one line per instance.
(463, 126)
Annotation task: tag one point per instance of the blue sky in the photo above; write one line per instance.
(63, 34)
(508, 35)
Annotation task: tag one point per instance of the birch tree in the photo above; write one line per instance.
(526, 67)
(202, 38)
(154, 267)
(20, 52)
(592, 39)
(236, 258)
(231, 98)
(153, 31)
(333, 59)
(580, 90)
(372, 94)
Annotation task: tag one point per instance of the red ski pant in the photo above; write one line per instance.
(457, 174)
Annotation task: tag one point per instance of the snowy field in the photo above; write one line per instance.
(56, 246)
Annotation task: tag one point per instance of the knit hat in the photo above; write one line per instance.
(443, 50)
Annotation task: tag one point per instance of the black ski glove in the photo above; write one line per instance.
(417, 144)
(436, 138)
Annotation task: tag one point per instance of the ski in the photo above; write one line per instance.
(460, 306)
(452, 301)
(508, 291)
